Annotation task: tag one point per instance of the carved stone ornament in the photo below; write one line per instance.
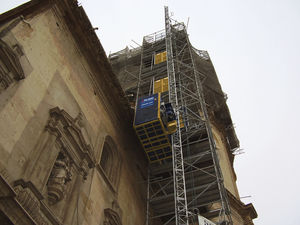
(70, 137)
(59, 177)
(116, 207)
(10, 67)
(75, 153)
(111, 217)
(69, 158)
(31, 203)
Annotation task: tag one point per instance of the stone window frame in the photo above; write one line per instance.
(110, 166)
(10, 66)
(28, 198)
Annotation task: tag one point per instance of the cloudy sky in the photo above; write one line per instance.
(255, 48)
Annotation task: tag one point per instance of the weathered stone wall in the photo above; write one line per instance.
(225, 164)
(58, 75)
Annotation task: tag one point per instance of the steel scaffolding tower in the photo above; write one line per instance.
(191, 182)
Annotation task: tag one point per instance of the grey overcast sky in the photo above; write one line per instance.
(254, 45)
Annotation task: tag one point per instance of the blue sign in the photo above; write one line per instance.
(146, 102)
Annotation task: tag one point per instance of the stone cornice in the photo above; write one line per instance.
(246, 211)
(16, 203)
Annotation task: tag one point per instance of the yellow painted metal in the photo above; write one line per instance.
(172, 127)
(158, 108)
(154, 137)
(161, 85)
(160, 57)
(157, 147)
(181, 122)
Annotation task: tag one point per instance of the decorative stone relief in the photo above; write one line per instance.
(4, 173)
(31, 204)
(111, 217)
(70, 137)
(74, 157)
(59, 177)
(80, 121)
(116, 207)
(10, 67)
(61, 157)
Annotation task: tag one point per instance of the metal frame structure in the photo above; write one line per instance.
(191, 182)
(181, 211)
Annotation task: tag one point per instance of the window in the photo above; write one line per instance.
(110, 162)
(107, 160)
(111, 217)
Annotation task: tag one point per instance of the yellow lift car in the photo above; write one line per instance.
(154, 123)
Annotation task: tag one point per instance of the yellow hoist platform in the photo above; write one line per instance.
(152, 128)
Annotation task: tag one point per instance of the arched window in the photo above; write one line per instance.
(107, 160)
(111, 217)
(110, 162)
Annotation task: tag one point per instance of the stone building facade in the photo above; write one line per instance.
(68, 152)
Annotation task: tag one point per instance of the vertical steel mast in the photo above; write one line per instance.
(181, 212)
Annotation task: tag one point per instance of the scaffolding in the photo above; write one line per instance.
(191, 182)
